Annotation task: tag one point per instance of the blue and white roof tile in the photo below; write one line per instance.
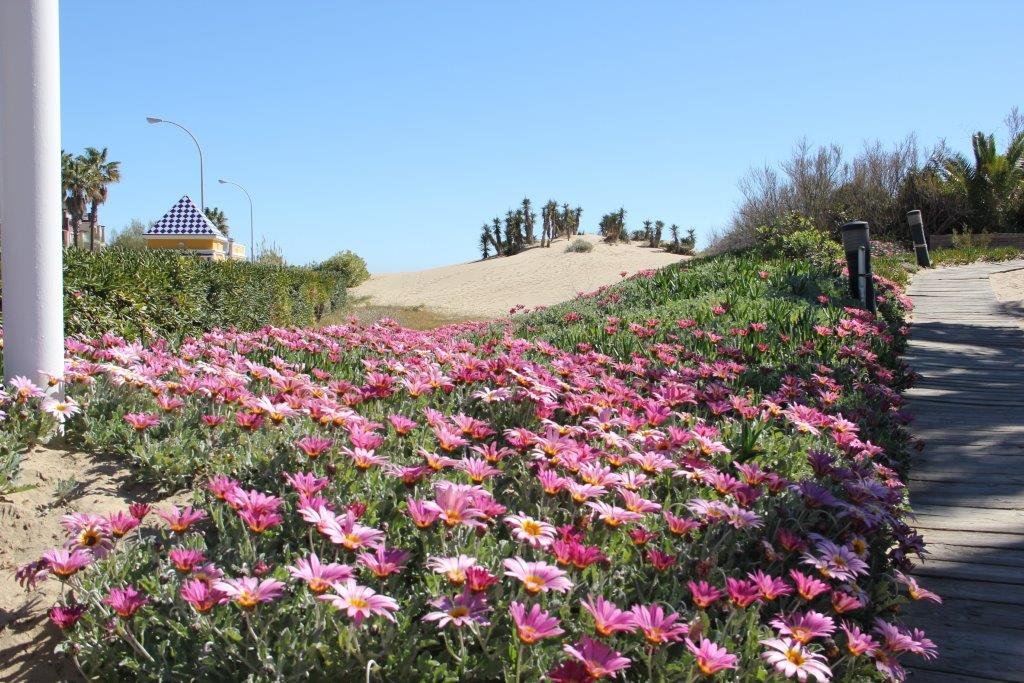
(185, 218)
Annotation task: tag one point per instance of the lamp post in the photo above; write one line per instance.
(31, 190)
(252, 243)
(917, 235)
(857, 245)
(202, 184)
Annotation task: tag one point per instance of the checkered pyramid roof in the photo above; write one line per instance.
(185, 218)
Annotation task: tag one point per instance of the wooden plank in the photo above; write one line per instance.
(978, 539)
(971, 571)
(969, 519)
(981, 556)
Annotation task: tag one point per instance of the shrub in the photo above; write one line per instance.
(169, 295)
(578, 246)
(348, 266)
(794, 237)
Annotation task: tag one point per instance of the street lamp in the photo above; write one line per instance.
(202, 188)
(252, 243)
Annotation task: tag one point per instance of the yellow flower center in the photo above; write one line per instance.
(531, 527)
(533, 584)
(795, 656)
(458, 611)
(358, 603)
(247, 600)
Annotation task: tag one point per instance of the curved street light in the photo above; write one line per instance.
(252, 243)
(202, 188)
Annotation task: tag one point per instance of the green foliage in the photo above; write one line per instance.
(218, 218)
(972, 253)
(795, 237)
(131, 237)
(150, 294)
(991, 183)
(579, 246)
(348, 266)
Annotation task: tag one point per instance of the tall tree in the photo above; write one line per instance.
(485, 241)
(576, 214)
(103, 173)
(991, 182)
(218, 218)
(499, 245)
(659, 227)
(529, 219)
(648, 231)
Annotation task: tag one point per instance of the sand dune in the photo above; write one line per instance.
(536, 277)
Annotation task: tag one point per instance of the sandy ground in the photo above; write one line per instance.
(30, 525)
(1009, 289)
(536, 277)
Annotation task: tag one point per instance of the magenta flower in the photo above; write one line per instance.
(455, 505)
(66, 616)
(658, 628)
(347, 532)
(535, 533)
(704, 594)
(794, 660)
(608, 618)
(600, 660)
(454, 568)
(537, 577)
(249, 591)
(467, 607)
(314, 446)
(121, 523)
(383, 562)
(140, 422)
(64, 563)
(360, 602)
(858, 642)
(534, 625)
(808, 587)
(202, 595)
(125, 601)
(186, 559)
(88, 531)
(180, 519)
(319, 577)
(803, 628)
(711, 658)
(914, 588)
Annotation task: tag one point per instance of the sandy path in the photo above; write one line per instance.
(30, 525)
(1009, 289)
(537, 277)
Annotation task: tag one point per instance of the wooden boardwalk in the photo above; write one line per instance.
(967, 487)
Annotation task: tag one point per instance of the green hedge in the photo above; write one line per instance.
(145, 294)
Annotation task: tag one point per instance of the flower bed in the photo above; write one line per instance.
(694, 474)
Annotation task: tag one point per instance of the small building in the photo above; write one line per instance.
(186, 228)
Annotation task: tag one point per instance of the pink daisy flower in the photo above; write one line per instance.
(318, 576)
(600, 660)
(249, 591)
(125, 601)
(658, 628)
(711, 658)
(534, 625)
(794, 660)
(533, 532)
(608, 618)
(454, 568)
(202, 595)
(537, 577)
(360, 602)
(467, 607)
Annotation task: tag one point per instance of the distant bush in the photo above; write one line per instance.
(131, 237)
(794, 237)
(579, 246)
(147, 294)
(347, 265)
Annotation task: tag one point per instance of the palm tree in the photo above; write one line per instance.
(485, 241)
(529, 219)
(648, 231)
(991, 182)
(218, 218)
(659, 227)
(102, 173)
(499, 246)
(77, 182)
(577, 212)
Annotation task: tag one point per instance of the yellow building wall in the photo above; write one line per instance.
(212, 247)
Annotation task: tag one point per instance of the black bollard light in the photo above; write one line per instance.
(920, 241)
(857, 245)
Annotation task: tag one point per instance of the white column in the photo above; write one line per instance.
(30, 189)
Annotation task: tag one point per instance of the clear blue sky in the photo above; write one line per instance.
(396, 128)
